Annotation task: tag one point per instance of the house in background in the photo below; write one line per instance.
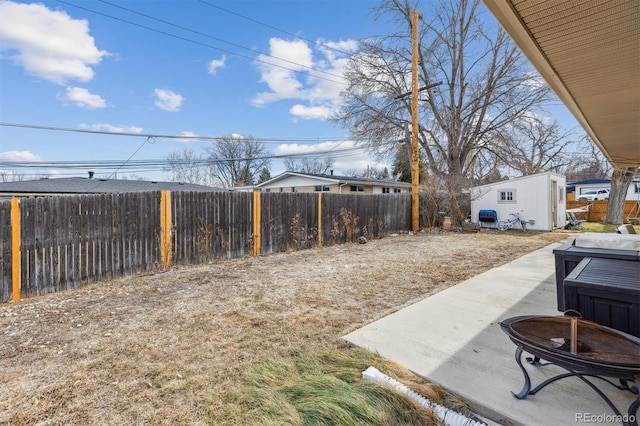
(306, 182)
(90, 185)
(579, 188)
(542, 197)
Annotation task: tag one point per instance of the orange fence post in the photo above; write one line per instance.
(165, 228)
(256, 223)
(15, 249)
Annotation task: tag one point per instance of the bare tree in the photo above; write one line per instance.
(532, 145)
(132, 176)
(265, 175)
(487, 85)
(11, 176)
(401, 166)
(189, 167)
(372, 172)
(620, 181)
(318, 166)
(485, 168)
(238, 160)
(586, 163)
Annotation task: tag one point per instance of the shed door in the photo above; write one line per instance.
(554, 204)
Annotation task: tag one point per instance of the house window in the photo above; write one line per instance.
(561, 195)
(357, 188)
(397, 190)
(507, 196)
(322, 188)
(386, 190)
(282, 189)
(294, 189)
(267, 190)
(637, 187)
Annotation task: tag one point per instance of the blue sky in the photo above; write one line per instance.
(226, 68)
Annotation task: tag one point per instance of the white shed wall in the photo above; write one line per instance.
(532, 194)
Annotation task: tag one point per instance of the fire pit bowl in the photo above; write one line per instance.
(583, 348)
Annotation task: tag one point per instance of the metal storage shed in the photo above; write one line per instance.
(541, 197)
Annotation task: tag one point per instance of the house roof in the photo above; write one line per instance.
(521, 178)
(336, 179)
(588, 51)
(80, 185)
(592, 182)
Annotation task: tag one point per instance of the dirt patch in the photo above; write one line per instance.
(172, 347)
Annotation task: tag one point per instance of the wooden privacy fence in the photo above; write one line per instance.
(597, 210)
(50, 244)
(68, 240)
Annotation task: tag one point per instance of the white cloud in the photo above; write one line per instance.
(46, 43)
(83, 98)
(532, 117)
(534, 80)
(168, 100)
(295, 148)
(19, 156)
(311, 112)
(189, 137)
(293, 79)
(279, 75)
(347, 155)
(105, 127)
(216, 64)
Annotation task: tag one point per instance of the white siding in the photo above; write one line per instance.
(297, 181)
(308, 183)
(632, 195)
(532, 194)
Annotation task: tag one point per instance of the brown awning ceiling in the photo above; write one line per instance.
(588, 51)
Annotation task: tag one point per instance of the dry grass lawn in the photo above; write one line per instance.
(180, 346)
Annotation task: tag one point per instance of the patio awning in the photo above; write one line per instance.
(588, 51)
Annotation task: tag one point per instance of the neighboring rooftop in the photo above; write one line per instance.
(81, 185)
(591, 182)
(337, 179)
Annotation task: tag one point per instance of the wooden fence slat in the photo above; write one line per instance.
(27, 233)
(99, 217)
(75, 241)
(43, 242)
(5, 250)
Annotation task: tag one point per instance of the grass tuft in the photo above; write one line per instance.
(327, 389)
(603, 227)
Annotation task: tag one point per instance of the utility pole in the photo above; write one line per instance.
(415, 170)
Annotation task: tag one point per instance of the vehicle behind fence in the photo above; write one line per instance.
(67, 241)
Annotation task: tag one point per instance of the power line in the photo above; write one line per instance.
(210, 46)
(160, 136)
(219, 39)
(163, 163)
(149, 139)
(271, 26)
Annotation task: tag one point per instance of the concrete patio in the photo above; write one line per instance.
(453, 338)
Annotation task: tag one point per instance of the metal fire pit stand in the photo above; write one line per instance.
(629, 377)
